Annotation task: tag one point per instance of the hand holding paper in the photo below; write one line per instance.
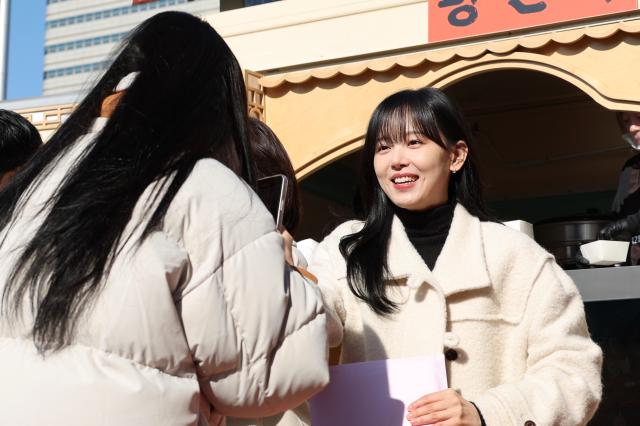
(376, 393)
(446, 407)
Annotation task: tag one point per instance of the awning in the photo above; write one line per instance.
(321, 113)
(469, 51)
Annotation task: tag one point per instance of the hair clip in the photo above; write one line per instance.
(126, 81)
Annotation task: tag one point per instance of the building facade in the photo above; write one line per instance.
(81, 35)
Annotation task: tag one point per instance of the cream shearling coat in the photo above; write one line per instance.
(514, 317)
(202, 316)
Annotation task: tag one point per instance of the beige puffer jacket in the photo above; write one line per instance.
(202, 320)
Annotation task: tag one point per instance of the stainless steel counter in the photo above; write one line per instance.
(615, 283)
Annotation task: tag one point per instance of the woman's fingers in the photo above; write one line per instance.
(432, 418)
(444, 408)
(432, 407)
(288, 247)
(427, 399)
(436, 397)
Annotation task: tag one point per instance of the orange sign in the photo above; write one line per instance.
(451, 19)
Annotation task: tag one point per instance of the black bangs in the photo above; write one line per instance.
(402, 113)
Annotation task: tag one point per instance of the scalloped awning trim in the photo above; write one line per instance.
(447, 54)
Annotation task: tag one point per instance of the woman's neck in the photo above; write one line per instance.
(432, 221)
(427, 230)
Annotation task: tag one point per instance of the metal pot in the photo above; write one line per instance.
(563, 237)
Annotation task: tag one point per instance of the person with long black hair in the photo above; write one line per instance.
(143, 282)
(19, 140)
(428, 272)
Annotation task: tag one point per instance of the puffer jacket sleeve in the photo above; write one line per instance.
(562, 385)
(255, 328)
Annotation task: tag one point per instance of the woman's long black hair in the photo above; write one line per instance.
(187, 103)
(433, 114)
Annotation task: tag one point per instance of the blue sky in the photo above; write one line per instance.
(26, 48)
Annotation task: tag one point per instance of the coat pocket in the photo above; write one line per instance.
(489, 305)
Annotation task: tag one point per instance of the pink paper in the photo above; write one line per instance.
(376, 393)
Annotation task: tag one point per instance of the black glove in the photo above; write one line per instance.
(621, 229)
(618, 229)
(581, 261)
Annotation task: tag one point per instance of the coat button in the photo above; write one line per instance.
(451, 340)
(529, 423)
(452, 355)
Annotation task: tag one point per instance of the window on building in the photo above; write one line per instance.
(79, 44)
(76, 69)
(108, 13)
(256, 2)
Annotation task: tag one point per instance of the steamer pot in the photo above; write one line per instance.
(563, 237)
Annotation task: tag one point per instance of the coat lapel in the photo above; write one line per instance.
(462, 264)
(403, 259)
(460, 267)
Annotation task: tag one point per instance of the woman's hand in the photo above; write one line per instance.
(288, 247)
(444, 408)
(288, 257)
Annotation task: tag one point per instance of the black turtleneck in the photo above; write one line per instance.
(427, 230)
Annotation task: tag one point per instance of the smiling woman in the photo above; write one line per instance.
(413, 170)
(427, 272)
(415, 142)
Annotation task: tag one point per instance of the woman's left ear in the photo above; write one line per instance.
(458, 155)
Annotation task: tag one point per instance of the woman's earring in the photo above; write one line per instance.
(454, 171)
